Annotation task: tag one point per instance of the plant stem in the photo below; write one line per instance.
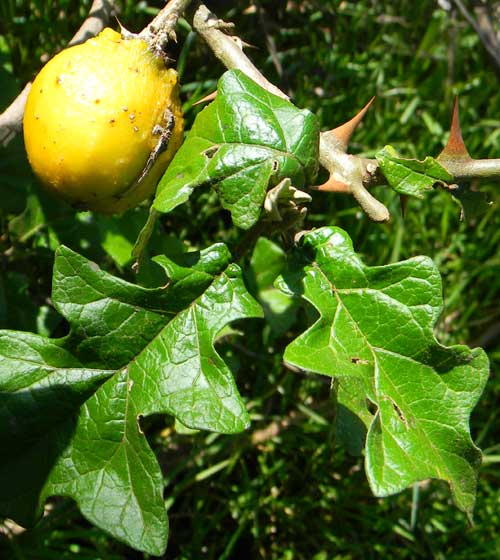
(465, 170)
(162, 28)
(228, 48)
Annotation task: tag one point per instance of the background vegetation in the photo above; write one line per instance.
(280, 491)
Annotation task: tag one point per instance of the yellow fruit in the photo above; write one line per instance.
(93, 117)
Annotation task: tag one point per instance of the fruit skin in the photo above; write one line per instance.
(91, 122)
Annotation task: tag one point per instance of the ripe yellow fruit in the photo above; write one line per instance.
(94, 115)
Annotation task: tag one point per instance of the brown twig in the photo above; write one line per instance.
(11, 120)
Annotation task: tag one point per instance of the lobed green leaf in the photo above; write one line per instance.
(410, 394)
(70, 426)
(242, 144)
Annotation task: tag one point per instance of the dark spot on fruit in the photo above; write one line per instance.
(41, 90)
(112, 121)
(58, 80)
(97, 101)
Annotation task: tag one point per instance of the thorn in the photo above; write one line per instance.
(455, 147)
(403, 200)
(206, 99)
(344, 132)
(243, 44)
(124, 32)
(332, 185)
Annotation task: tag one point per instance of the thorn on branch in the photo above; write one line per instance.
(455, 147)
(348, 172)
(344, 132)
(333, 186)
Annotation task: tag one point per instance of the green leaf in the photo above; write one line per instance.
(242, 144)
(266, 264)
(411, 177)
(69, 407)
(375, 333)
(119, 233)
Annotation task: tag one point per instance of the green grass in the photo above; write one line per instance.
(294, 495)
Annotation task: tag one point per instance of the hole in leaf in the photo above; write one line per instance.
(371, 406)
(210, 152)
